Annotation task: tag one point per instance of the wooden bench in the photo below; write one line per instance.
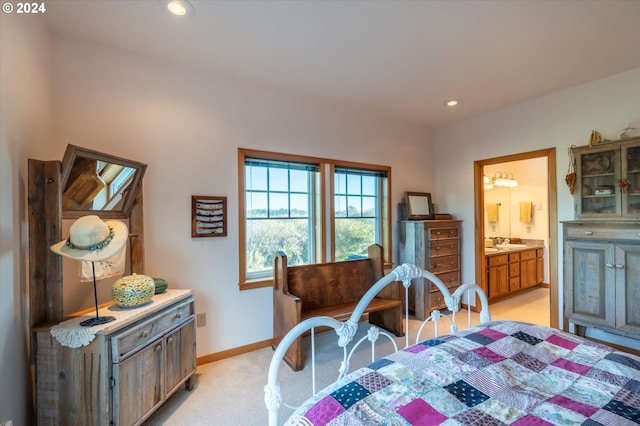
(331, 289)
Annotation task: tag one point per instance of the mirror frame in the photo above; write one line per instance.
(74, 152)
(413, 212)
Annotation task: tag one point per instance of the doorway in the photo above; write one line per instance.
(481, 271)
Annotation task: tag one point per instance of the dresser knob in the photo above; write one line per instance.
(178, 315)
(145, 333)
(620, 266)
(588, 232)
(158, 348)
(609, 265)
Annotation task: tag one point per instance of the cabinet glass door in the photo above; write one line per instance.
(598, 195)
(631, 177)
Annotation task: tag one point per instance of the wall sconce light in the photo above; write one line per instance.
(503, 179)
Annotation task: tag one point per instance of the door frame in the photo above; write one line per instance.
(478, 184)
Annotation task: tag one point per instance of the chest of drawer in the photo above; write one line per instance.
(442, 264)
(442, 233)
(442, 248)
(449, 279)
(131, 340)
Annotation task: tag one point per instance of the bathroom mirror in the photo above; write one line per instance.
(419, 206)
(99, 183)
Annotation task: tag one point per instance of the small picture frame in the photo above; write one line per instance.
(208, 216)
(419, 206)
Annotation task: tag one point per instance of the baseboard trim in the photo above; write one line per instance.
(217, 356)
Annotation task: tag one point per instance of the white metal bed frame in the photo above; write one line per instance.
(346, 330)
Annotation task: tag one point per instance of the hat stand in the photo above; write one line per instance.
(98, 320)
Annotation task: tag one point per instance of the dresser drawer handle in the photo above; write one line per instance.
(158, 348)
(620, 266)
(170, 339)
(178, 315)
(588, 232)
(145, 333)
(609, 265)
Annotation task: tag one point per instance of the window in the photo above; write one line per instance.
(357, 211)
(312, 209)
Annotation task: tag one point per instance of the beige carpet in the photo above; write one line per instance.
(231, 391)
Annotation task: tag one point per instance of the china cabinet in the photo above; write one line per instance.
(433, 245)
(608, 180)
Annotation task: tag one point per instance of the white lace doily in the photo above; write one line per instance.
(72, 335)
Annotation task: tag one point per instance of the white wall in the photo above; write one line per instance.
(558, 120)
(187, 125)
(24, 126)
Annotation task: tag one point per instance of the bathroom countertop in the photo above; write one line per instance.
(514, 250)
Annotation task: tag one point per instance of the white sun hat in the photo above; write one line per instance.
(92, 239)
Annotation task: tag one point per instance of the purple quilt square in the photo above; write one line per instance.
(418, 412)
(489, 354)
(527, 361)
(494, 334)
(578, 407)
(374, 381)
(324, 411)
(562, 342)
(530, 420)
(571, 366)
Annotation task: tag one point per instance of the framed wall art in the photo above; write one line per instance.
(208, 216)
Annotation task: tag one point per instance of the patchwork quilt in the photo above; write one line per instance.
(499, 373)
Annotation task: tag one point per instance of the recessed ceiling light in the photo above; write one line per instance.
(178, 7)
(452, 102)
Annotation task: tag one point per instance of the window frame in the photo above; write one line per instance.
(324, 215)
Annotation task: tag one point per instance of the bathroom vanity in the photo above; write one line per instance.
(513, 269)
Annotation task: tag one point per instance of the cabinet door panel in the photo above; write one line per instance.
(628, 288)
(139, 383)
(590, 290)
(181, 355)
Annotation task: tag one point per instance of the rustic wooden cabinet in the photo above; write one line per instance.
(125, 371)
(433, 245)
(512, 271)
(608, 180)
(602, 276)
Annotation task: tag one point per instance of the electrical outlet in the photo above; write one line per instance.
(201, 319)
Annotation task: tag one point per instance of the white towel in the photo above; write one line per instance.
(107, 268)
(525, 211)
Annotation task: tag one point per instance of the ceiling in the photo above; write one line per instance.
(402, 58)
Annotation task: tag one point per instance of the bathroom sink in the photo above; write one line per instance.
(490, 250)
(510, 246)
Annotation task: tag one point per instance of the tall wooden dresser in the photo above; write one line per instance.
(433, 245)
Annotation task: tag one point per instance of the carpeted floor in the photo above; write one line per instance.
(231, 391)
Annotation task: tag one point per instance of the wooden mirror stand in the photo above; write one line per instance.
(45, 229)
